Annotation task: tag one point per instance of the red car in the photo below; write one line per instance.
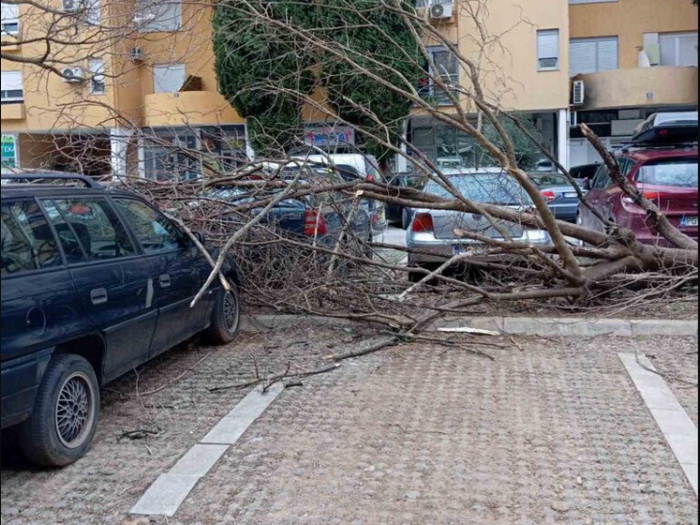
(667, 176)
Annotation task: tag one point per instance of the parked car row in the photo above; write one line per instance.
(665, 171)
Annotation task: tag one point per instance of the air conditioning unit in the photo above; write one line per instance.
(579, 93)
(73, 74)
(136, 54)
(441, 11)
(71, 6)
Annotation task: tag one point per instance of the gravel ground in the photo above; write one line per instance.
(420, 434)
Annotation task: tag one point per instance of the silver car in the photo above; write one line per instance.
(432, 232)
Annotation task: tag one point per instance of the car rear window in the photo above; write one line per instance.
(487, 188)
(681, 173)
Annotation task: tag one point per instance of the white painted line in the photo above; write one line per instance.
(169, 490)
(675, 424)
(198, 460)
(165, 496)
(231, 428)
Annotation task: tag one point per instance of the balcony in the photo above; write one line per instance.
(639, 87)
(193, 108)
(12, 112)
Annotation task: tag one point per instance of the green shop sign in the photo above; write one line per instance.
(9, 151)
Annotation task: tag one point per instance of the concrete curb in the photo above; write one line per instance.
(564, 327)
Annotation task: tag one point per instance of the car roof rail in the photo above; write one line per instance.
(632, 146)
(89, 183)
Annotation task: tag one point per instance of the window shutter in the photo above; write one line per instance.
(548, 49)
(11, 80)
(582, 57)
(607, 54)
(9, 13)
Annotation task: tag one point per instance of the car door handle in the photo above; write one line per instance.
(164, 280)
(98, 296)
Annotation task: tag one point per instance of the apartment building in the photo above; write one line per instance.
(159, 81)
(520, 49)
(630, 59)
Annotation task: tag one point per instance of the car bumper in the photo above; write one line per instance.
(20, 381)
(433, 250)
(565, 212)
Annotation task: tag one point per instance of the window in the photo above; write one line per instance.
(168, 78)
(66, 234)
(589, 55)
(158, 15)
(155, 232)
(445, 67)
(678, 173)
(602, 178)
(27, 242)
(97, 76)
(548, 50)
(89, 226)
(92, 12)
(169, 156)
(11, 86)
(10, 19)
(679, 49)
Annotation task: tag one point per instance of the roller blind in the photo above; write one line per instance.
(548, 49)
(11, 80)
(592, 55)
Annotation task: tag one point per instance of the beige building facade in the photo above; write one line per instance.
(137, 99)
(632, 58)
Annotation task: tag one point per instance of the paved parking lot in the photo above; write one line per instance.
(553, 434)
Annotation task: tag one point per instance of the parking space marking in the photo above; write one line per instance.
(675, 424)
(170, 490)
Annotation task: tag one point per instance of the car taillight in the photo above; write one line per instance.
(370, 178)
(651, 195)
(548, 195)
(314, 224)
(423, 222)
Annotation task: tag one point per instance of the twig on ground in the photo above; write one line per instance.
(515, 342)
(138, 434)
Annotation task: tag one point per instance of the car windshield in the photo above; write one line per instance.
(681, 173)
(492, 188)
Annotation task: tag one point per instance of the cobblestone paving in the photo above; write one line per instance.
(555, 434)
(103, 486)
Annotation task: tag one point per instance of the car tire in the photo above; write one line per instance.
(405, 219)
(225, 318)
(66, 411)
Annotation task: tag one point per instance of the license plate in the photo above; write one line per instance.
(689, 221)
(571, 195)
(456, 249)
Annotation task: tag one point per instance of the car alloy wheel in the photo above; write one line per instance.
(231, 312)
(75, 410)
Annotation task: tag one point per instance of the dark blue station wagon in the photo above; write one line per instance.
(95, 282)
